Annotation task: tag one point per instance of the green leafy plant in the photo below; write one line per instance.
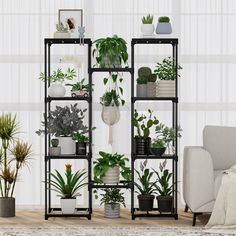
(107, 160)
(158, 143)
(163, 186)
(10, 165)
(64, 121)
(55, 142)
(148, 19)
(59, 76)
(112, 48)
(112, 196)
(111, 98)
(61, 28)
(80, 137)
(163, 19)
(80, 85)
(145, 185)
(68, 187)
(167, 70)
(143, 123)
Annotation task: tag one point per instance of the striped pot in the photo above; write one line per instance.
(112, 210)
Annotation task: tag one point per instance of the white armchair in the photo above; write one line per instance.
(203, 167)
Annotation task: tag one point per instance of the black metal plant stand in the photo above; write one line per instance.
(174, 42)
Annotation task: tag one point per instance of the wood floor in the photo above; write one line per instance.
(35, 218)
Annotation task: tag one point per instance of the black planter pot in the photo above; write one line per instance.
(142, 146)
(81, 148)
(7, 207)
(145, 202)
(157, 151)
(165, 203)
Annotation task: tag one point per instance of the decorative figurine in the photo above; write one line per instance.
(81, 31)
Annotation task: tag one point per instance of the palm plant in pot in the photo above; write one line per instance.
(110, 52)
(81, 143)
(68, 188)
(145, 188)
(55, 80)
(107, 168)
(112, 198)
(62, 123)
(164, 189)
(143, 124)
(147, 27)
(14, 155)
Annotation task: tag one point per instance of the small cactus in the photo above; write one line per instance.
(142, 80)
(144, 72)
(55, 142)
(148, 19)
(152, 78)
(164, 19)
(60, 27)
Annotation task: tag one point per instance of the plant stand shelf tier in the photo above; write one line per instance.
(174, 100)
(49, 210)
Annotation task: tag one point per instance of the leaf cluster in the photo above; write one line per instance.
(80, 86)
(163, 19)
(61, 28)
(158, 143)
(148, 19)
(111, 98)
(80, 137)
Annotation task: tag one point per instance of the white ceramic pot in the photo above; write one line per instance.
(166, 88)
(147, 29)
(55, 151)
(62, 35)
(67, 145)
(164, 28)
(141, 90)
(68, 206)
(112, 210)
(56, 90)
(110, 115)
(112, 175)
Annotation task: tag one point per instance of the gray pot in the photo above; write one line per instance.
(164, 28)
(112, 210)
(55, 151)
(7, 207)
(141, 90)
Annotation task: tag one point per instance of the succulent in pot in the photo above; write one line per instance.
(107, 168)
(81, 143)
(164, 25)
(55, 80)
(145, 188)
(164, 189)
(55, 150)
(158, 147)
(147, 27)
(141, 87)
(110, 52)
(143, 125)
(68, 188)
(112, 198)
(62, 31)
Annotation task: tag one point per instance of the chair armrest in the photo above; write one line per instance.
(198, 177)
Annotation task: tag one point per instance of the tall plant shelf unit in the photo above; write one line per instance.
(174, 100)
(49, 210)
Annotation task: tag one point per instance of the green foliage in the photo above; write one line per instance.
(164, 19)
(111, 47)
(59, 76)
(60, 28)
(55, 142)
(64, 121)
(142, 80)
(158, 143)
(68, 187)
(80, 86)
(152, 78)
(112, 196)
(111, 98)
(163, 186)
(110, 160)
(145, 185)
(148, 19)
(167, 70)
(80, 137)
(143, 123)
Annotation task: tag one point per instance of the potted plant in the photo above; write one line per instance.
(151, 85)
(10, 165)
(147, 27)
(112, 198)
(110, 52)
(165, 198)
(158, 147)
(143, 74)
(55, 81)
(164, 25)
(81, 143)
(145, 188)
(143, 124)
(107, 168)
(166, 72)
(68, 188)
(62, 123)
(55, 150)
(62, 31)
(80, 89)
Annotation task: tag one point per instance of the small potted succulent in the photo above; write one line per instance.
(80, 89)
(147, 27)
(158, 147)
(112, 198)
(143, 75)
(164, 189)
(55, 150)
(107, 168)
(81, 143)
(145, 188)
(68, 187)
(110, 52)
(55, 81)
(62, 31)
(143, 124)
(164, 25)
(166, 72)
